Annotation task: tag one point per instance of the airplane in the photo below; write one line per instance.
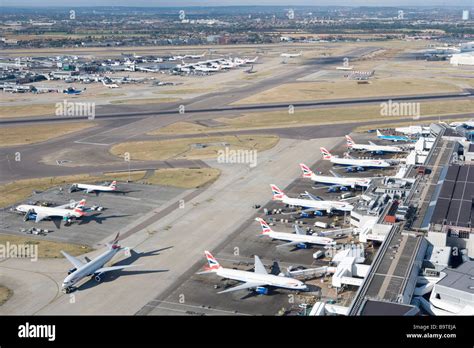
(95, 188)
(467, 124)
(414, 130)
(354, 164)
(291, 55)
(371, 147)
(314, 204)
(393, 138)
(93, 268)
(335, 181)
(205, 68)
(73, 91)
(259, 279)
(110, 85)
(194, 56)
(298, 239)
(47, 212)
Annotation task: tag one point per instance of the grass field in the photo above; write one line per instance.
(183, 148)
(46, 249)
(5, 294)
(27, 110)
(186, 178)
(322, 116)
(304, 91)
(21, 135)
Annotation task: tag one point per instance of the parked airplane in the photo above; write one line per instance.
(39, 213)
(393, 138)
(414, 130)
(334, 181)
(314, 204)
(299, 239)
(110, 85)
(291, 55)
(354, 163)
(194, 56)
(467, 124)
(94, 188)
(259, 279)
(371, 147)
(72, 91)
(94, 267)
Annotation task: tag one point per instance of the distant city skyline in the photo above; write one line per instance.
(188, 3)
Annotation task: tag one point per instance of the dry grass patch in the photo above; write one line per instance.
(21, 135)
(156, 150)
(304, 91)
(5, 294)
(46, 248)
(27, 110)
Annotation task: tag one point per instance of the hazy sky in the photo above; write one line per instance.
(157, 3)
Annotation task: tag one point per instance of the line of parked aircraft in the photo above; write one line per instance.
(213, 65)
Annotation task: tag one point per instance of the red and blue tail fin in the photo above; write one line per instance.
(326, 154)
(278, 194)
(307, 173)
(349, 141)
(265, 228)
(113, 185)
(211, 260)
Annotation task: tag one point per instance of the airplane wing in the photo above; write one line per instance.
(112, 268)
(243, 286)
(287, 244)
(298, 230)
(371, 143)
(313, 197)
(70, 205)
(259, 267)
(75, 261)
(40, 217)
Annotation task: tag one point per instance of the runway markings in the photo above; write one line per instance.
(190, 306)
(89, 143)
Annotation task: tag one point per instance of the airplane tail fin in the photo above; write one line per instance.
(79, 208)
(379, 134)
(211, 260)
(113, 244)
(307, 173)
(349, 141)
(113, 185)
(278, 194)
(326, 154)
(265, 228)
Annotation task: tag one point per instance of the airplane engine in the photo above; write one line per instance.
(261, 290)
(98, 277)
(301, 246)
(71, 270)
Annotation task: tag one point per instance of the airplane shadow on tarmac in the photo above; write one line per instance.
(113, 275)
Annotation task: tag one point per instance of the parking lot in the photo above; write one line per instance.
(197, 294)
(120, 209)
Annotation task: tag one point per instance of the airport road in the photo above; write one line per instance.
(176, 246)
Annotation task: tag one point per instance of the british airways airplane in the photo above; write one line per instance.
(354, 164)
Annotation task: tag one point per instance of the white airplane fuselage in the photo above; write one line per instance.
(356, 162)
(376, 148)
(334, 180)
(49, 211)
(318, 205)
(92, 188)
(293, 237)
(89, 268)
(266, 279)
